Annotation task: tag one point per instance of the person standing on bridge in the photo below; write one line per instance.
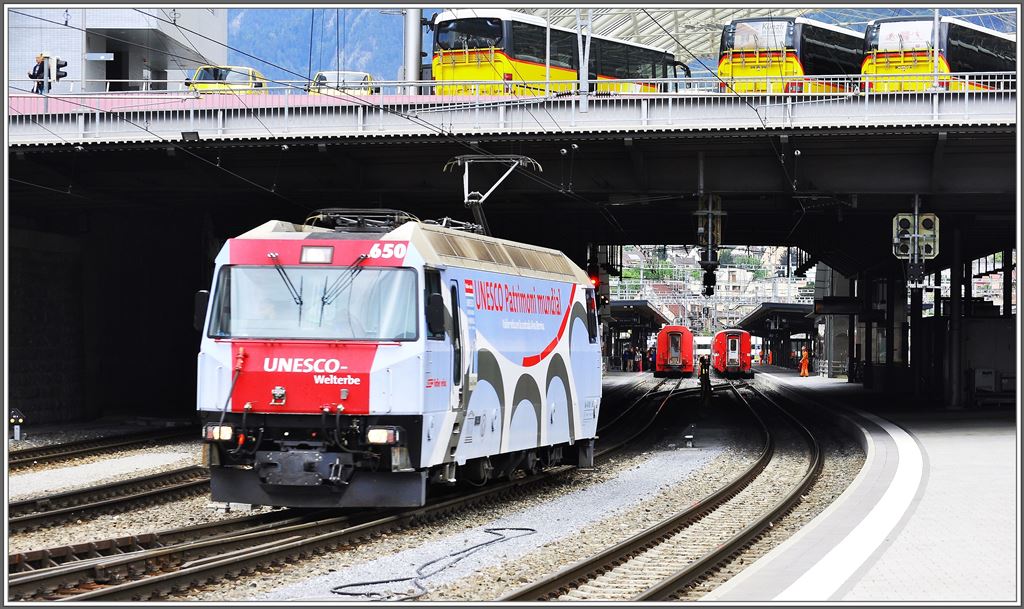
(37, 74)
(805, 362)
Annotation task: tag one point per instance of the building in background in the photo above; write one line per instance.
(116, 49)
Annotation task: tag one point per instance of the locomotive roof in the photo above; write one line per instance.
(442, 246)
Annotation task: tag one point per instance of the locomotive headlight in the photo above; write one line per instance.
(382, 435)
(216, 433)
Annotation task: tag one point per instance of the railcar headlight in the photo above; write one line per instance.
(218, 433)
(382, 435)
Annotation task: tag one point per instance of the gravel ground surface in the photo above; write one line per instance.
(48, 478)
(129, 464)
(35, 436)
(171, 515)
(579, 502)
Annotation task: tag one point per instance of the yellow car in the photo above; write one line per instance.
(339, 83)
(238, 80)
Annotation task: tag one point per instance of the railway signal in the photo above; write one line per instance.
(915, 238)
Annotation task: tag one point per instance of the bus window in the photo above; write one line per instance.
(564, 49)
(468, 34)
(528, 42)
(762, 35)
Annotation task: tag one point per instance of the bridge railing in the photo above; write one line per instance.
(286, 109)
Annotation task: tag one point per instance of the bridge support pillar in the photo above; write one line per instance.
(916, 348)
(1008, 282)
(953, 400)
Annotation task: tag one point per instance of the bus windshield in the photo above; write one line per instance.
(902, 36)
(750, 35)
(480, 33)
(327, 303)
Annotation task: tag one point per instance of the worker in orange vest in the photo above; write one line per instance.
(805, 361)
(769, 357)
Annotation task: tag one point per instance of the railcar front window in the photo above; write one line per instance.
(468, 34)
(328, 303)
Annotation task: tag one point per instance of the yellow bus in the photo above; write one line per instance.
(237, 80)
(899, 55)
(512, 50)
(788, 55)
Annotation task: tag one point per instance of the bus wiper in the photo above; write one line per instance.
(296, 295)
(342, 282)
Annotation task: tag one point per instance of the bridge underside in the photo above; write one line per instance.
(615, 188)
(108, 244)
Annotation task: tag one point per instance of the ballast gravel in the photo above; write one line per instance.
(171, 515)
(581, 501)
(107, 468)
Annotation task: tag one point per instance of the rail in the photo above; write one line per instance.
(287, 110)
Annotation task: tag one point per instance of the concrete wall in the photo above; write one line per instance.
(45, 327)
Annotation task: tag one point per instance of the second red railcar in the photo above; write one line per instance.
(674, 354)
(730, 353)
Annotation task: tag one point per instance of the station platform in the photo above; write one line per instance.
(931, 518)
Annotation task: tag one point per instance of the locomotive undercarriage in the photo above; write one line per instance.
(330, 463)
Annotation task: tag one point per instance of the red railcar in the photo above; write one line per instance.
(730, 353)
(674, 354)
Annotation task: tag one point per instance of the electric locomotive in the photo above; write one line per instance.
(730, 353)
(355, 363)
(674, 353)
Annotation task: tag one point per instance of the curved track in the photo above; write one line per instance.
(666, 558)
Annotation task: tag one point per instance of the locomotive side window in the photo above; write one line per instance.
(432, 285)
(456, 338)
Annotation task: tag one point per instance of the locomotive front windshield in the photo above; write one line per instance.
(315, 303)
(479, 33)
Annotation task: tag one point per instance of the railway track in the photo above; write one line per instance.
(73, 450)
(166, 567)
(655, 564)
(29, 514)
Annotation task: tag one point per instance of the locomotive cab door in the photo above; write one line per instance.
(438, 346)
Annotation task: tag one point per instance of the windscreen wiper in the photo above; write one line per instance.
(343, 282)
(296, 295)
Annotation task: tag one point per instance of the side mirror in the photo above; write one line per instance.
(188, 82)
(435, 314)
(199, 315)
(259, 83)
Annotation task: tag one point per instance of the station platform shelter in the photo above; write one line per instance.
(785, 329)
(629, 323)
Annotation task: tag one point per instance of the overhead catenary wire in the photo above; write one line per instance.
(609, 217)
(119, 116)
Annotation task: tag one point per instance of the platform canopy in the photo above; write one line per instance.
(791, 318)
(691, 32)
(635, 314)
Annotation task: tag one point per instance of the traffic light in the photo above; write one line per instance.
(59, 63)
